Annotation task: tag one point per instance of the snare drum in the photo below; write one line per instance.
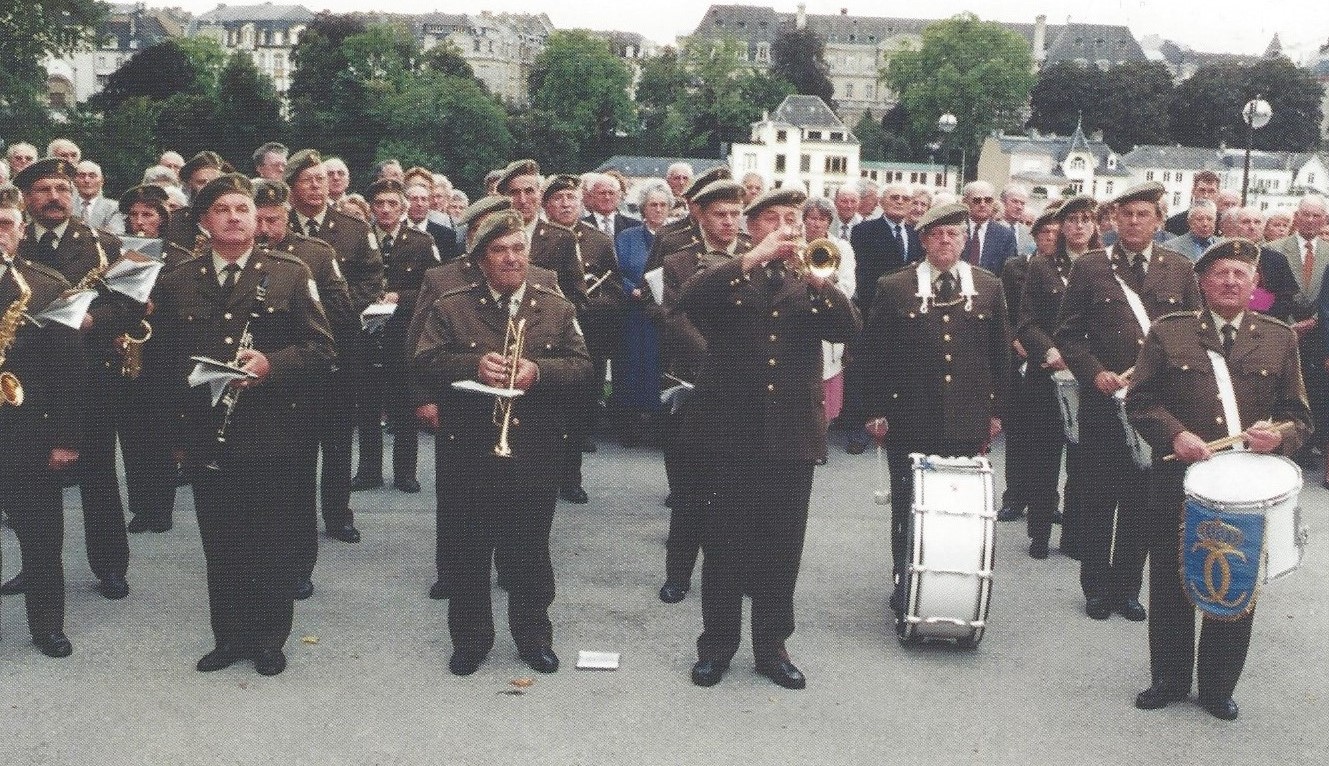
(1240, 482)
(1140, 450)
(948, 583)
(1068, 396)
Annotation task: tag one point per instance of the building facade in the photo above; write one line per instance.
(268, 33)
(803, 144)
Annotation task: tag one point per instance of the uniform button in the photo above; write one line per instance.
(1139, 341)
(771, 362)
(946, 337)
(516, 422)
(947, 317)
(770, 386)
(911, 315)
(1219, 419)
(1264, 373)
(775, 314)
(948, 357)
(772, 338)
(1185, 367)
(452, 437)
(948, 378)
(738, 301)
(227, 315)
(814, 309)
(229, 340)
(472, 344)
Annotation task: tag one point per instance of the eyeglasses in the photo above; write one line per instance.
(987, 200)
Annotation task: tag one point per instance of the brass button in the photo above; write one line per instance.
(227, 315)
(770, 386)
(775, 314)
(738, 301)
(947, 317)
(229, 340)
(948, 378)
(1219, 419)
(946, 337)
(1185, 367)
(772, 338)
(948, 357)
(772, 362)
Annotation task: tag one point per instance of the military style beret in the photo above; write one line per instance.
(384, 186)
(301, 161)
(147, 194)
(558, 183)
(950, 214)
(1076, 204)
(270, 193)
(1149, 191)
(493, 227)
(1046, 218)
(482, 207)
(51, 167)
(228, 183)
(1234, 249)
(788, 197)
(204, 159)
(723, 190)
(517, 169)
(717, 173)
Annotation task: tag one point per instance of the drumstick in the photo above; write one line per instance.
(599, 281)
(1232, 441)
(1128, 372)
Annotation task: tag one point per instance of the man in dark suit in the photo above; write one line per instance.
(602, 198)
(1111, 298)
(760, 420)
(1178, 404)
(1204, 186)
(500, 499)
(936, 367)
(988, 243)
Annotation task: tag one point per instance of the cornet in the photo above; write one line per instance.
(513, 341)
(819, 258)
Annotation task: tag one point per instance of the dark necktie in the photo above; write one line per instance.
(505, 305)
(1137, 268)
(1229, 337)
(899, 242)
(946, 287)
(386, 245)
(311, 227)
(972, 247)
(49, 241)
(229, 275)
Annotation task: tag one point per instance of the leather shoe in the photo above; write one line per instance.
(365, 482)
(783, 673)
(304, 590)
(55, 645)
(541, 660)
(1158, 696)
(574, 495)
(347, 533)
(440, 591)
(113, 587)
(669, 501)
(1009, 513)
(1225, 709)
(672, 592)
(410, 486)
(1038, 549)
(463, 664)
(1132, 610)
(137, 524)
(269, 662)
(1097, 608)
(708, 672)
(224, 656)
(16, 585)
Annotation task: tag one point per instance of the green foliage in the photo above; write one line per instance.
(34, 29)
(723, 97)
(1128, 102)
(446, 59)
(979, 71)
(126, 142)
(208, 59)
(579, 90)
(157, 73)
(872, 137)
(247, 112)
(799, 57)
(1206, 109)
(663, 82)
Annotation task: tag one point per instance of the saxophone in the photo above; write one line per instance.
(11, 390)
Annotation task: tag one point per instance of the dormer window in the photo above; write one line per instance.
(1077, 163)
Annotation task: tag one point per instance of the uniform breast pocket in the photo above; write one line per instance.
(1191, 367)
(1253, 380)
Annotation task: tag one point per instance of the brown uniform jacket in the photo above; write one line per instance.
(682, 345)
(759, 393)
(602, 316)
(357, 255)
(462, 325)
(332, 291)
(939, 375)
(1174, 390)
(1040, 302)
(554, 248)
(412, 254)
(671, 238)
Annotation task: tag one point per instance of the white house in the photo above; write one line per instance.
(802, 144)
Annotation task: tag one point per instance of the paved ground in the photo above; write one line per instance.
(1047, 685)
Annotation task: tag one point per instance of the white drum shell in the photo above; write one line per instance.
(952, 536)
(1244, 482)
(1141, 453)
(1068, 397)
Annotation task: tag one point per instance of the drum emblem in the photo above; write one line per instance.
(1221, 554)
(1218, 540)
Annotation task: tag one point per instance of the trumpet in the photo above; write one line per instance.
(513, 342)
(819, 258)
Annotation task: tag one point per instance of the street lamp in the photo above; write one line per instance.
(1256, 114)
(946, 124)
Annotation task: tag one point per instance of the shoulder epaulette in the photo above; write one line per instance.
(459, 289)
(44, 270)
(551, 291)
(1192, 314)
(1270, 320)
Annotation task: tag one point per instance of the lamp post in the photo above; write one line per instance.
(1255, 114)
(946, 124)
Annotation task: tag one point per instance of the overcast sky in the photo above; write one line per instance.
(1216, 25)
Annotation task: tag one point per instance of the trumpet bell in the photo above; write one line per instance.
(11, 390)
(820, 258)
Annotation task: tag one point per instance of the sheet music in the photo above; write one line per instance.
(654, 279)
(67, 310)
(217, 375)
(476, 387)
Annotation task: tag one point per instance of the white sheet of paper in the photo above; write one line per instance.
(476, 387)
(376, 315)
(589, 660)
(133, 278)
(217, 375)
(67, 310)
(655, 280)
(150, 247)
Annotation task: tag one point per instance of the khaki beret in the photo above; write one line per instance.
(723, 190)
(301, 161)
(384, 186)
(228, 183)
(270, 193)
(148, 194)
(558, 183)
(717, 173)
(787, 197)
(51, 167)
(482, 207)
(950, 214)
(1234, 249)
(1149, 191)
(495, 226)
(1046, 218)
(1076, 204)
(204, 159)
(517, 169)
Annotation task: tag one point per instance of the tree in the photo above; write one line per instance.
(579, 87)
(247, 111)
(446, 59)
(978, 71)
(799, 57)
(1134, 108)
(208, 59)
(1065, 94)
(329, 105)
(448, 123)
(31, 30)
(724, 96)
(156, 73)
(1206, 109)
(662, 83)
(872, 138)
(122, 161)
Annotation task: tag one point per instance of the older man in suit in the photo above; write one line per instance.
(988, 243)
(95, 210)
(1202, 221)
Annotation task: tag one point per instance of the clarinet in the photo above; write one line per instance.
(232, 394)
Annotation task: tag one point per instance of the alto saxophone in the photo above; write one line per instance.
(11, 390)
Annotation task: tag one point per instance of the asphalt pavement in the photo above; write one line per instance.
(368, 682)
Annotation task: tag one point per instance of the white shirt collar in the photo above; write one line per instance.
(517, 296)
(1220, 322)
(219, 264)
(59, 230)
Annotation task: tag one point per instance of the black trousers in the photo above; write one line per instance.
(149, 466)
(1115, 501)
(1172, 650)
(902, 488)
(1045, 441)
(583, 419)
(384, 389)
(251, 534)
(753, 543)
(99, 483)
(33, 501)
(333, 415)
(497, 512)
(693, 492)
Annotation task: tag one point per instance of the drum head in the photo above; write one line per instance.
(1242, 478)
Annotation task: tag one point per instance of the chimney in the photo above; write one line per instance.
(1040, 38)
(844, 11)
(801, 18)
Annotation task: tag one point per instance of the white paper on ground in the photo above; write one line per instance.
(588, 660)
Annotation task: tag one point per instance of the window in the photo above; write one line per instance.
(837, 165)
(849, 90)
(867, 91)
(1077, 186)
(779, 163)
(1107, 187)
(780, 136)
(763, 51)
(1176, 199)
(1167, 176)
(750, 161)
(1077, 163)
(805, 163)
(837, 136)
(814, 135)
(1310, 178)
(1148, 175)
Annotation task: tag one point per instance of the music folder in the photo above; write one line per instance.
(67, 310)
(476, 387)
(217, 375)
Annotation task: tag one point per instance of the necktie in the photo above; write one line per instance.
(607, 225)
(504, 304)
(844, 231)
(1137, 268)
(49, 241)
(946, 287)
(972, 247)
(1308, 265)
(386, 245)
(899, 242)
(311, 227)
(1229, 337)
(229, 275)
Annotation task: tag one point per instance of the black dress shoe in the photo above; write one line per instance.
(410, 486)
(304, 590)
(708, 672)
(269, 662)
(574, 495)
(669, 501)
(1038, 549)
(672, 592)
(1009, 513)
(113, 587)
(365, 482)
(137, 524)
(463, 664)
(16, 585)
(54, 645)
(440, 591)
(783, 673)
(541, 660)
(346, 533)
(1158, 696)
(181, 478)
(223, 656)
(1097, 608)
(1132, 610)
(1225, 709)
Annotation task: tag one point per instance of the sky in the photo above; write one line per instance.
(1213, 26)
